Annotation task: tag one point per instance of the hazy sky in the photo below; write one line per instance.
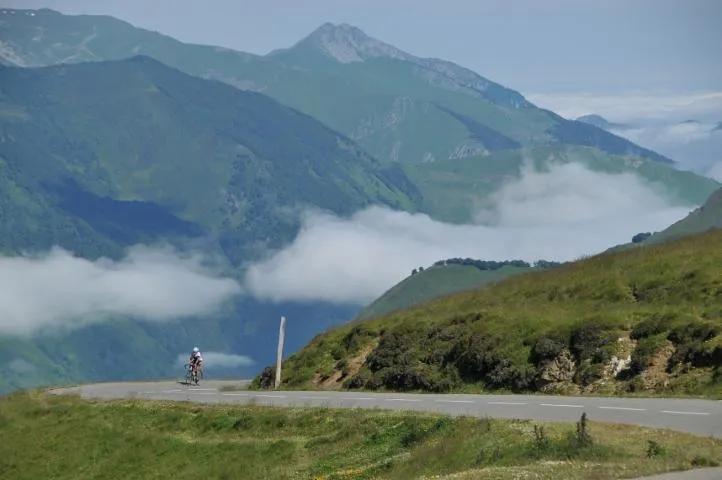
(531, 45)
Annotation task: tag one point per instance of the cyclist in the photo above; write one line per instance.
(196, 360)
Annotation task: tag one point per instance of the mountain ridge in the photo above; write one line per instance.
(442, 125)
(440, 70)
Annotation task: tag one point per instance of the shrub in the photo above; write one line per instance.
(689, 341)
(652, 325)
(541, 442)
(547, 348)
(700, 461)
(592, 341)
(587, 373)
(644, 351)
(337, 352)
(360, 380)
(654, 449)
(268, 377)
(583, 438)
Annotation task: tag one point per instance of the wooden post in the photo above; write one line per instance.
(281, 336)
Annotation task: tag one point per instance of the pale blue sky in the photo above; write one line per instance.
(530, 45)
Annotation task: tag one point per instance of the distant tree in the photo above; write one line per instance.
(488, 265)
(640, 237)
(413, 272)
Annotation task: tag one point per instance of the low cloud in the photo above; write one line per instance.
(694, 145)
(59, 290)
(666, 135)
(218, 360)
(715, 172)
(561, 214)
(635, 106)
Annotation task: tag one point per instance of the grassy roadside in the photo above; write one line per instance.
(65, 437)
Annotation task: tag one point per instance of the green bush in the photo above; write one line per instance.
(592, 341)
(654, 449)
(587, 373)
(362, 377)
(645, 350)
(689, 341)
(547, 348)
(654, 324)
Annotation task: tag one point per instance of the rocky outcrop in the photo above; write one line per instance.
(555, 372)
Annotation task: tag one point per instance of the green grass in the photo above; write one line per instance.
(435, 281)
(63, 437)
(504, 336)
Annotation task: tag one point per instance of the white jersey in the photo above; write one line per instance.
(197, 356)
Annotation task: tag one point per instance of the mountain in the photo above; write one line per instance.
(642, 320)
(601, 122)
(96, 157)
(202, 155)
(457, 135)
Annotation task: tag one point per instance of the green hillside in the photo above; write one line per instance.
(435, 281)
(193, 155)
(642, 320)
(456, 134)
(99, 156)
(707, 216)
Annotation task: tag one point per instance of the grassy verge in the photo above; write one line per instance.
(64, 437)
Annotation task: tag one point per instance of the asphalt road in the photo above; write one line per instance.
(700, 417)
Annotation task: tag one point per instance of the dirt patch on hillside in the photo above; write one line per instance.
(339, 375)
(656, 376)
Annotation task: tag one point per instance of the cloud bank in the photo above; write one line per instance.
(715, 172)
(58, 290)
(633, 107)
(218, 360)
(561, 214)
(657, 120)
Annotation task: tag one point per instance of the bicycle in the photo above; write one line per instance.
(189, 374)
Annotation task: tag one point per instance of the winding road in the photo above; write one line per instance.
(699, 417)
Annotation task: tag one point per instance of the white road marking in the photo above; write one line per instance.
(315, 398)
(559, 405)
(202, 393)
(271, 396)
(454, 401)
(506, 403)
(402, 400)
(624, 408)
(361, 398)
(172, 391)
(235, 394)
(202, 389)
(684, 413)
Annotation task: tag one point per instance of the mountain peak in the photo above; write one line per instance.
(346, 43)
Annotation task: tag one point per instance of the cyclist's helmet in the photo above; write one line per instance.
(195, 349)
